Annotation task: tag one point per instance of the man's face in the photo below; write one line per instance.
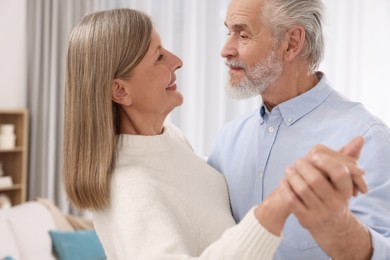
(250, 50)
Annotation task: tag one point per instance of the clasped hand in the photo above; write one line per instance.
(317, 187)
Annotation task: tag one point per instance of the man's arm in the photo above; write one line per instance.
(344, 237)
(320, 187)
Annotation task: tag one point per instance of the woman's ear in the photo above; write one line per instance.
(295, 38)
(120, 92)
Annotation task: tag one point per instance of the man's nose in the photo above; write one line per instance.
(229, 49)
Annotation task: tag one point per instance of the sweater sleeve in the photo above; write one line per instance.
(147, 222)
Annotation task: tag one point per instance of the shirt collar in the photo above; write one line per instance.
(295, 108)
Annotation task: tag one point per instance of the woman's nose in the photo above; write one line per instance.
(177, 63)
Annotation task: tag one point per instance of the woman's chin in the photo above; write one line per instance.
(179, 99)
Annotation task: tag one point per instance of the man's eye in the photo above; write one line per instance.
(243, 36)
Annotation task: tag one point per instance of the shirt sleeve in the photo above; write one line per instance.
(373, 208)
(150, 223)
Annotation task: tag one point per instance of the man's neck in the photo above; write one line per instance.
(290, 84)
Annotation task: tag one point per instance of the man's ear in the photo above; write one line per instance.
(120, 92)
(295, 38)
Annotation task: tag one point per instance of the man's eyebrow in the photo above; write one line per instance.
(237, 27)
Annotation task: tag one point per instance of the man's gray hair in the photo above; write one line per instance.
(281, 15)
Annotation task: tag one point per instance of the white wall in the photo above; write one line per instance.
(357, 55)
(13, 59)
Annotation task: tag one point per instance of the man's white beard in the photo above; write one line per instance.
(257, 78)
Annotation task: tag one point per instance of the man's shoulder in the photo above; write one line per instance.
(353, 109)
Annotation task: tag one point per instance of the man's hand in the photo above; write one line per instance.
(320, 186)
(324, 181)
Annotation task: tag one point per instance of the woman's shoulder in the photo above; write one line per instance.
(173, 129)
(176, 133)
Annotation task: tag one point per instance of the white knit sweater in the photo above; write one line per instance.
(168, 203)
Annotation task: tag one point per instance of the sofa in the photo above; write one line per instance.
(37, 230)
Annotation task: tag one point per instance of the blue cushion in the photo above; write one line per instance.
(74, 245)
(8, 258)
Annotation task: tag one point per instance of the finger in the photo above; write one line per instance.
(297, 207)
(342, 171)
(301, 189)
(323, 150)
(294, 202)
(343, 155)
(317, 181)
(352, 150)
(319, 148)
(323, 158)
(330, 198)
(359, 184)
(287, 195)
(354, 147)
(338, 173)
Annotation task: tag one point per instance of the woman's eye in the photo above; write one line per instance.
(160, 57)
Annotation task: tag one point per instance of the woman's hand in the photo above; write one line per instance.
(274, 210)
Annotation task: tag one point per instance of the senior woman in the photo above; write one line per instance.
(151, 196)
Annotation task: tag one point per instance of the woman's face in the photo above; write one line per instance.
(152, 84)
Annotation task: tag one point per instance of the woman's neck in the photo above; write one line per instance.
(136, 124)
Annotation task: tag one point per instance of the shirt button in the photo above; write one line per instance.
(271, 129)
(289, 120)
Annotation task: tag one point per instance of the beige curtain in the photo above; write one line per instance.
(48, 27)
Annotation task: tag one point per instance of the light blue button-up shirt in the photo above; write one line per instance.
(254, 150)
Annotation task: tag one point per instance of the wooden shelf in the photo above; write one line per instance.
(14, 161)
(14, 150)
(13, 187)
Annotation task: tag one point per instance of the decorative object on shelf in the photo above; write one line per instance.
(7, 136)
(5, 202)
(5, 181)
(14, 122)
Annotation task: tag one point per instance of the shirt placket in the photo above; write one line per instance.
(270, 129)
